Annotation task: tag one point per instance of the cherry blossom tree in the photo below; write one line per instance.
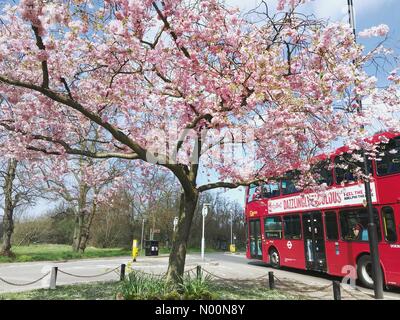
(190, 86)
(85, 184)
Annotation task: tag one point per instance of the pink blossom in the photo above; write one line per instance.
(292, 3)
(42, 55)
(116, 26)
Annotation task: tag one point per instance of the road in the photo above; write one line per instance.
(224, 265)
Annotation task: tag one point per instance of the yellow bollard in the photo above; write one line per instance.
(135, 250)
(232, 248)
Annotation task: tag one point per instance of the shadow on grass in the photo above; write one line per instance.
(90, 291)
(251, 290)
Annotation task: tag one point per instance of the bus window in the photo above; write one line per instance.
(254, 192)
(322, 172)
(354, 224)
(390, 158)
(332, 232)
(289, 183)
(292, 227)
(270, 190)
(273, 228)
(389, 226)
(346, 166)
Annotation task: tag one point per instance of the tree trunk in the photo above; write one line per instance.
(9, 205)
(86, 229)
(180, 238)
(79, 218)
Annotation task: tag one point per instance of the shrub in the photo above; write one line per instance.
(141, 286)
(196, 288)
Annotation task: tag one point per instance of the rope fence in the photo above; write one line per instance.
(159, 275)
(120, 271)
(350, 293)
(24, 284)
(198, 272)
(87, 276)
(233, 279)
(285, 284)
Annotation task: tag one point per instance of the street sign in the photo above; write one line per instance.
(204, 211)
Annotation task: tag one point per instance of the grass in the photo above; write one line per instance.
(243, 290)
(87, 291)
(59, 252)
(109, 291)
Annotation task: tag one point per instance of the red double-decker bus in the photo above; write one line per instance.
(327, 230)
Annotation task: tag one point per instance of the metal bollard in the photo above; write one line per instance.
(198, 272)
(135, 250)
(271, 280)
(53, 278)
(336, 290)
(122, 273)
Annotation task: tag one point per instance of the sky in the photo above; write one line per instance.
(368, 13)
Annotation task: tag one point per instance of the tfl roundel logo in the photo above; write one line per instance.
(289, 245)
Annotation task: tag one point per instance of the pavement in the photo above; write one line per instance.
(222, 266)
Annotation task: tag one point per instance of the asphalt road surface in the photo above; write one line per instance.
(222, 265)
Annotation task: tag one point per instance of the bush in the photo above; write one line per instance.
(31, 231)
(56, 227)
(196, 288)
(141, 286)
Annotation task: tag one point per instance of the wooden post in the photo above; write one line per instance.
(53, 278)
(122, 273)
(198, 272)
(336, 290)
(271, 280)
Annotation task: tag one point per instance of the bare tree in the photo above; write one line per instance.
(19, 190)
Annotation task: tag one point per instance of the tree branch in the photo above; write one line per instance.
(68, 149)
(191, 125)
(41, 46)
(229, 185)
(172, 33)
(65, 100)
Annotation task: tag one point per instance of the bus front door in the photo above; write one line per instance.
(255, 239)
(314, 243)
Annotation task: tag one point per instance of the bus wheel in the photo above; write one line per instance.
(274, 258)
(364, 271)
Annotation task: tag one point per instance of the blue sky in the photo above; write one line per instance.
(368, 13)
